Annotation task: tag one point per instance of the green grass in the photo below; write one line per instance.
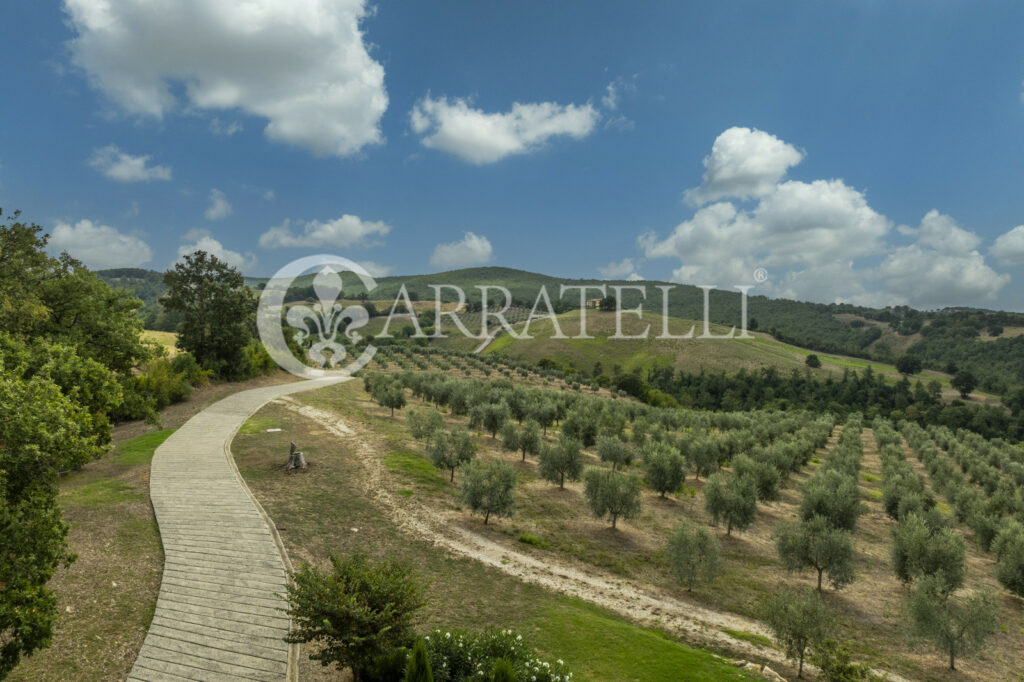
(603, 647)
(255, 425)
(751, 637)
(417, 469)
(139, 450)
(528, 539)
(100, 493)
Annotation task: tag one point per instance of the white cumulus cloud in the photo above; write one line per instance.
(820, 240)
(203, 241)
(99, 246)
(117, 165)
(302, 65)
(1008, 248)
(743, 163)
(472, 249)
(479, 137)
(624, 269)
(219, 207)
(343, 232)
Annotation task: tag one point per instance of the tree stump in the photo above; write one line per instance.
(296, 459)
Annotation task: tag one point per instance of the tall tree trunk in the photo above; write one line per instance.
(820, 571)
(487, 515)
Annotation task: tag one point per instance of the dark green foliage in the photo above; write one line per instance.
(218, 313)
(765, 476)
(964, 382)
(732, 500)
(817, 545)
(503, 671)
(813, 361)
(800, 620)
(694, 555)
(490, 489)
(955, 626)
(356, 612)
(471, 657)
(612, 494)
(418, 668)
(490, 417)
(561, 461)
(1009, 550)
(908, 364)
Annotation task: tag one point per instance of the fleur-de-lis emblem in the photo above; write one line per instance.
(325, 319)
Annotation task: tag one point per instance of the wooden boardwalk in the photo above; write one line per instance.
(217, 614)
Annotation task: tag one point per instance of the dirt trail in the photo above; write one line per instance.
(638, 603)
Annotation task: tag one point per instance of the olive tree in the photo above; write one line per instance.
(611, 494)
(815, 544)
(490, 417)
(730, 499)
(422, 423)
(918, 550)
(561, 461)
(665, 468)
(615, 451)
(955, 626)
(834, 496)
(490, 489)
(694, 555)
(1009, 550)
(451, 450)
(525, 438)
(799, 620)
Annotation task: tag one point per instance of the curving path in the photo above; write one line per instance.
(218, 612)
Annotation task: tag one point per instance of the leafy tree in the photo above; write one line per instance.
(42, 433)
(815, 544)
(544, 413)
(1008, 547)
(765, 476)
(390, 395)
(357, 611)
(955, 626)
(561, 461)
(424, 423)
(525, 438)
(665, 468)
(704, 456)
(418, 668)
(812, 361)
(218, 312)
(451, 450)
(964, 382)
(732, 500)
(834, 496)
(908, 364)
(694, 555)
(614, 451)
(918, 550)
(490, 417)
(490, 489)
(612, 494)
(799, 619)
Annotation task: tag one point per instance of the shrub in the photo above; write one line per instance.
(357, 611)
(464, 657)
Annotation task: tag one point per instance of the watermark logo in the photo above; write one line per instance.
(316, 330)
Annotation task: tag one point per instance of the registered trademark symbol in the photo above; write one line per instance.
(760, 275)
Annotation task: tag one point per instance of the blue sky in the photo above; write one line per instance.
(862, 151)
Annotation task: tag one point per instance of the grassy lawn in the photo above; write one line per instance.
(325, 509)
(106, 598)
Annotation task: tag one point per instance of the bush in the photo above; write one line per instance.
(358, 612)
(465, 657)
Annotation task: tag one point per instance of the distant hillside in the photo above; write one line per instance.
(148, 286)
(989, 344)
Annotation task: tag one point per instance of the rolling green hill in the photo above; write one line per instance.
(989, 344)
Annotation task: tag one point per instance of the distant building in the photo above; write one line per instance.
(593, 303)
